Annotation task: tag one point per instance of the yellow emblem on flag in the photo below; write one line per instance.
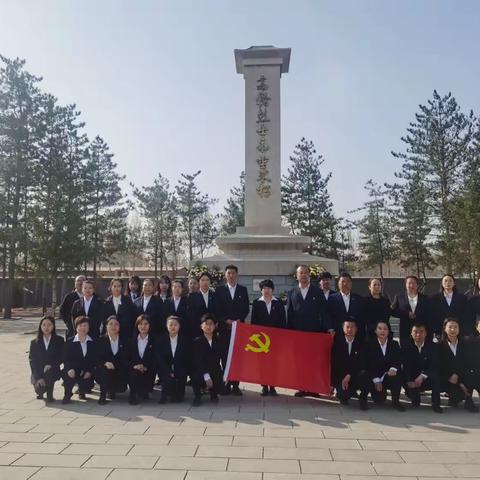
(261, 345)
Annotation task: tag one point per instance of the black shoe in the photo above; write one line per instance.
(452, 403)
(273, 392)
(264, 391)
(236, 391)
(214, 398)
(39, 397)
(398, 407)
(82, 396)
(437, 408)
(300, 393)
(197, 401)
(111, 395)
(102, 400)
(66, 400)
(344, 401)
(163, 400)
(470, 406)
(133, 400)
(416, 404)
(226, 390)
(363, 404)
(49, 399)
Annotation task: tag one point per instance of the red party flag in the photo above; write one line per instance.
(279, 357)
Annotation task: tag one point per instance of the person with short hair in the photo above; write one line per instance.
(67, 304)
(90, 306)
(173, 361)
(325, 283)
(112, 361)
(192, 285)
(177, 305)
(119, 306)
(45, 357)
(376, 307)
(150, 305)
(80, 360)
(268, 311)
(349, 367)
(421, 367)
(384, 364)
(208, 351)
(142, 362)
(200, 303)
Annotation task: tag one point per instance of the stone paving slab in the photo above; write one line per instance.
(248, 438)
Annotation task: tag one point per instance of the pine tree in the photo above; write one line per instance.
(306, 204)
(234, 211)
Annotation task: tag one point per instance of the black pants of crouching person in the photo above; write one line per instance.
(394, 384)
(84, 384)
(431, 383)
(49, 377)
(358, 383)
(141, 384)
(173, 388)
(111, 381)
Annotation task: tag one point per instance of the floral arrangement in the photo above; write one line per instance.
(216, 274)
(315, 271)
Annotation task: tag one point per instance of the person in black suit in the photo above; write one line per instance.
(200, 303)
(173, 361)
(376, 307)
(325, 284)
(349, 366)
(112, 361)
(177, 305)
(232, 305)
(164, 288)
(80, 360)
(192, 285)
(421, 367)
(67, 304)
(150, 305)
(121, 307)
(270, 312)
(142, 362)
(89, 306)
(384, 364)
(346, 303)
(208, 352)
(134, 288)
(456, 375)
(412, 307)
(451, 303)
(45, 357)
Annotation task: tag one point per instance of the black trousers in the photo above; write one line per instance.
(50, 377)
(431, 383)
(454, 392)
(111, 381)
(173, 387)
(199, 383)
(394, 384)
(84, 384)
(359, 382)
(141, 383)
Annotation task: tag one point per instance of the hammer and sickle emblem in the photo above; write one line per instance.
(260, 345)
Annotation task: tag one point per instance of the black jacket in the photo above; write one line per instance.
(178, 365)
(104, 352)
(231, 309)
(154, 311)
(309, 314)
(125, 315)
(66, 308)
(450, 363)
(148, 360)
(197, 308)
(95, 314)
(401, 309)
(276, 318)
(181, 313)
(75, 360)
(377, 363)
(39, 356)
(206, 358)
(458, 308)
(375, 310)
(415, 363)
(342, 362)
(338, 312)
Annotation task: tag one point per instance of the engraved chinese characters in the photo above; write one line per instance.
(263, 100)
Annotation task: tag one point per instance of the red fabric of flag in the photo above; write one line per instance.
(279, 357)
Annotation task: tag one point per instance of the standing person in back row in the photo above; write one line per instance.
(68, 300)
(89, 306)
(306, 309)
(232, 305)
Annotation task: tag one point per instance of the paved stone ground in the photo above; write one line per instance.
(250, 438)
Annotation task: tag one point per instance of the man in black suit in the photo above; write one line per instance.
(325, 284)
(199, 303)
(346, 303)
(67, 304)
(349, 369)
(232, 305)
(89, 306)
(421, 367)
(411, 307)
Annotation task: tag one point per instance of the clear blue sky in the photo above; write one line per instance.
(157, 79)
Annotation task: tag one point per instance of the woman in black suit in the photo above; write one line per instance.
(150, 305)
(164, 288)
(173, 361)
(112, 361)
(449, 302)
(45, 356)
(456, 373)
(376, 308)
(142, 364)
(121, 307)
(269, 312)
(384, 365)
(90, 306)
(134, 288)
(80, 361)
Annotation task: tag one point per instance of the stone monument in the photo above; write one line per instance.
(263, 248)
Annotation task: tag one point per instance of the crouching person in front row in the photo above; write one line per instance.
(173, 361)
(208, 352)
(141, 376)
(80, 360)
(421, 367)
(349, 374)
(112, 361)
(46, 355)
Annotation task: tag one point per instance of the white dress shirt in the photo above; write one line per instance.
(82, 344)
(232, 289)
(383, 347)
(176, 302)
(453, 347)
(205, 297)
(326, 293)
(46, 341)
(142, 345)
(145, 302)
(113, 345)
(384, 351)
(173, 344)
(304, 291)
(117, 301)
(349, 343)
(206, 376)
(86, 304)
(448, 297)
(267, 304)
(346, 300)
(413, 301)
